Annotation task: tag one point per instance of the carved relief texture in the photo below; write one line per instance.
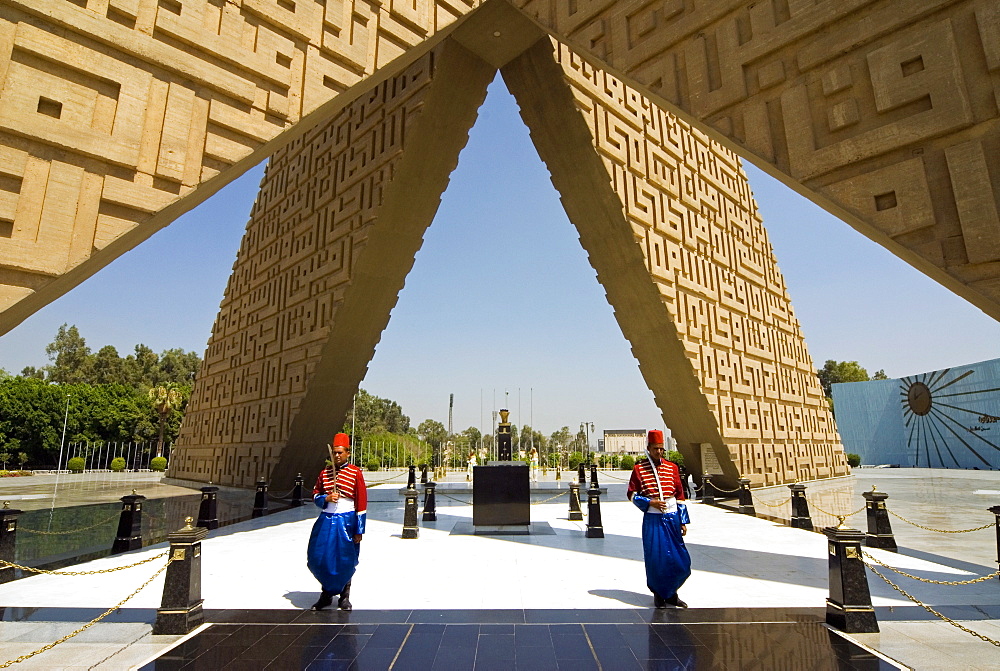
(693, 215)
(318, 200)
(886, 109)
(110, 110)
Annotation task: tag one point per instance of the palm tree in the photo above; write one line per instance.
(165, 398)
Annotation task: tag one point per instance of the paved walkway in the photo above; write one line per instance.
(741, 565)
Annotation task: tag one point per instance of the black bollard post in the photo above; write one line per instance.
(746, 498)
(411, 479)
(595, 528)
(260, 499)
(423, 474)
(297, 491)
(430, 503)
(575, 512)
(593, 476)
(849, 606)
(800, 507)
(8, 539)
(180, 609)
(707, 490)
(129, 524)
(208, 513)
(581, 474)
(996, 511)
(879, 527)
(410, 527)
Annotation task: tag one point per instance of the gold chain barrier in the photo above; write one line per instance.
(931, 610)
(941, 531)
(97, 619)
(551, 498)
(107, 570)
(773, 505)
(838, 515)
(971, 581)
(379, 482)
(115, 516)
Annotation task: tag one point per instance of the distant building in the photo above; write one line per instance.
(943, 419)
(629, 441)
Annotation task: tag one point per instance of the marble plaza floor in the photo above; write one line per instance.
(546, 601)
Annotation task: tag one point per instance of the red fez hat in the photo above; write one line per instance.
(342, 440)
(655, 437)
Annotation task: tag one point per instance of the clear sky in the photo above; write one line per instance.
(503, 304)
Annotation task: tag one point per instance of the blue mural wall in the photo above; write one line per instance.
(943, 419)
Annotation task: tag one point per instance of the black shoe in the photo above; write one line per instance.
(659, 601)
(676, 602)
(344, 603)
(325, 599)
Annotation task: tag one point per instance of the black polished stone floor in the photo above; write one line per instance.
(522, 640)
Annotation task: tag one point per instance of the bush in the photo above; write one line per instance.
(158, 464)
(853, 460)
(117, 464)
(676, 457)
(372, 464)
(76, 464)
(627, 463)
(15, 474)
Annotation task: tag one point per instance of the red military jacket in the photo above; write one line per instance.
(643, 482)
(349, 481)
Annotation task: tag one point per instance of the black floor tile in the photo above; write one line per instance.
(483, 640)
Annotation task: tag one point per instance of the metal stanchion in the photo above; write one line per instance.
(430, 503)
(707, 490)
(411, 478)
(575, 513)
(996, 511)
(410, 527)
(593, 476)
(423, 474)
(260, 499)
(180, 610)
(129, 524)
(297, 491)
(746, 499)
(8, 540)
(208, 515)
(879, 527)
(581, 474)
(595, 528)
(800, 507)
(849, 606)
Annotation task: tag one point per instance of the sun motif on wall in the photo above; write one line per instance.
(936, 420)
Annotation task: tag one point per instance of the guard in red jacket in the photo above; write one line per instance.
(335, 541)
(655, 488)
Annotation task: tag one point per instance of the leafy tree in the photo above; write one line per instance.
(4, 374)
(627, 463)
(69, 355)
(880, 375)
(31, 371)
(575, 459)
(472, 436)
(106, 367)
(676, 457)
(5, 457)
(834, 372)
(22, 459)
(376, 415)
(166, 399)
(432, 431)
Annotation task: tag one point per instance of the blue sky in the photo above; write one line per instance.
(503, 304)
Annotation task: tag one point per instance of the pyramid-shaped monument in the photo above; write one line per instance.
(118, 115)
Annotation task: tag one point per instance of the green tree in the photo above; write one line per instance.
(166, 400)
(834, 372)
(32, 372)
(22, 459)
(432, 431)
(5, 457)
(472, 438)
(70, 356)
(376, 415)
(627, 462)
(178, 367)
(106, 367)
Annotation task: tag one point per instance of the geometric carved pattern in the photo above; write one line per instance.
(302, 311)
(885, 112)
(680, 230)
(687, 206)
(113, 110)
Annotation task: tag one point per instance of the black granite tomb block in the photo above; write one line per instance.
(501, 494)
